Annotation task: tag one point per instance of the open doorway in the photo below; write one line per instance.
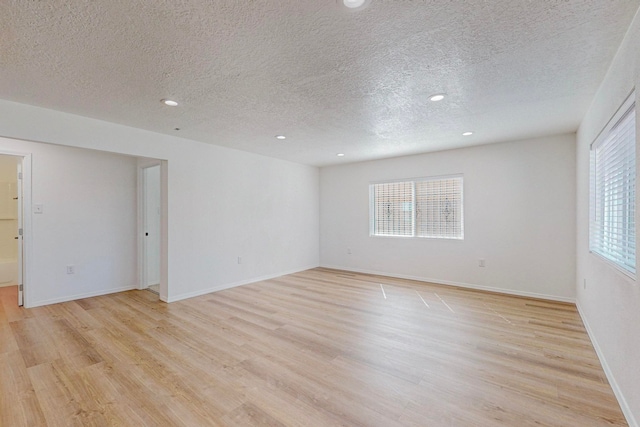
(153, 209)
(151, 188)
(11, 229)
(95, 237)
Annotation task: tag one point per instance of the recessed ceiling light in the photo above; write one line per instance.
(354, 4)
(281, 137)
(169, 102)
(437, 97)
(467, 134)
(340, 154)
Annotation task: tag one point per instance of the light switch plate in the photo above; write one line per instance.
(38, 209)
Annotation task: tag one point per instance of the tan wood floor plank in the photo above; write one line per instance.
(19, 404)
(315, 348)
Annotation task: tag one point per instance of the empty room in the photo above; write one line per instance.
(319, 213)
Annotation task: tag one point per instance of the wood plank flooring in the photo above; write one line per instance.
(317, 348)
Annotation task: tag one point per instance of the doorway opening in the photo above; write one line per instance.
(152, 211)
(11, 228)
(151, 215)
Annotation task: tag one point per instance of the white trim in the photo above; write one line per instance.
(421, 178)
(164, 230)
(612, 264)
(20, 236)
(459, 284)
(139, 228)
(81, 296)
(626, 105)
(27, 229)
(235, 284)
(626, 410)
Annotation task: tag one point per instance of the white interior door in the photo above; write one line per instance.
(151, 178)
(20, 237)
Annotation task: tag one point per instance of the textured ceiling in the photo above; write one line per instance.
(330, 79)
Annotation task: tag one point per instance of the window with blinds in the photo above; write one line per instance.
(393, 209)
(439, 208)
(612, 231)
(425, 207)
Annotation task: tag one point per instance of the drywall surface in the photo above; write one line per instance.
(609, 301)
(88, 221)
(519, 216)
(222, 203)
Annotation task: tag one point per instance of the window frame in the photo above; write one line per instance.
(414, 207)
(599, 228)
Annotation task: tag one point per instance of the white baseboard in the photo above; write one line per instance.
(78, 296)
(631, 420)
(459, 284)
(234, 284)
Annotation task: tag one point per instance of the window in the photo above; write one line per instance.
(425, 207)
(392, 205)
(612, 230)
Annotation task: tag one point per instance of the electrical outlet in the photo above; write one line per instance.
(481, 263)
(71, 269)
(349, 251)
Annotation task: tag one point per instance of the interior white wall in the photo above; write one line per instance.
(519, 215)
(88, 221)
(610, 301)
(222, 203)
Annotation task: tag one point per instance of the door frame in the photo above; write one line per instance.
(144, 163)
(26, 222)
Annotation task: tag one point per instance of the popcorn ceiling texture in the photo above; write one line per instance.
(330, 79)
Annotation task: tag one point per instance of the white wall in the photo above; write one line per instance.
(88, 221)
(610, 303)
(519, 215)
(222, 203)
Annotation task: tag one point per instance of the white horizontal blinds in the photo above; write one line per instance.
(392, 209)
(439, 208)
(613, 191)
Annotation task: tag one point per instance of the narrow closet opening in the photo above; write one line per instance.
(151, 187)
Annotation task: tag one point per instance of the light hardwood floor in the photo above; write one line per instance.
(317, 348)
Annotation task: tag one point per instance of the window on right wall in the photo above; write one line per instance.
(612, 228)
